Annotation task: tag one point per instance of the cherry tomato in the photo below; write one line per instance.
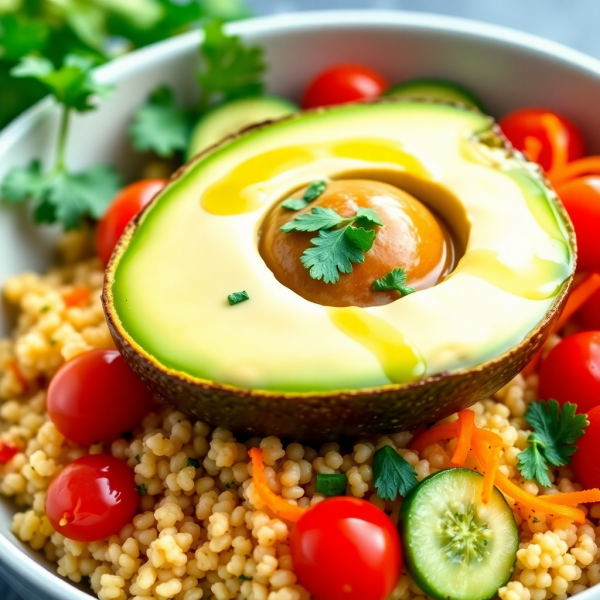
(589, 314)
(346, 549)
(97, 397)
(127, 203)
(343, 83)
(581, 198)
(526, 122)
(586, 461)
(571, 371)
(92, 498)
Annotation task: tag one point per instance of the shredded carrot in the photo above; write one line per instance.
(434, 435)
(280, 506)
(574, 498)
(507, 487)
(14, 368)
(466, 425)
(533, 148)
(77, 296)
(489, 474)
(558, 140)
(489, 437)
(578, 297)
(590, 165)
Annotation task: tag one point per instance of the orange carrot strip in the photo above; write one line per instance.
(507, 487)
(578, 297)
(531, 367)
(466, 425)
(489, 437)
(77, 296)
(489, 474)
(558, 140)
(533, 148)
(574, 498)
(434, 435)
(590, 165)
(14, 368)
(280, 506)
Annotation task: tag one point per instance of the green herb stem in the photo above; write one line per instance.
(63, 135)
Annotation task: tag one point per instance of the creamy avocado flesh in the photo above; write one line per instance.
(198, 242)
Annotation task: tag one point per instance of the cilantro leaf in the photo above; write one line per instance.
(230, 70)
(395, 280)
(555, 430)
(72, 85)
(22, 183)
(21, 36)
(367, 216)
(318, 218)
(332, 251)
(313, 191)
(238, 297)
(161, 125)
(361, 238)
(532, 464)
(392, 474)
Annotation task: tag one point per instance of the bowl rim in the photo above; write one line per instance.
(18, 564)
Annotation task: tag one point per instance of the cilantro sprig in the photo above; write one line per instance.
(334, 250)
(392, 474)
(313, 191)
(395, 280)
(229, 70)
(555, 432)
(61, 195)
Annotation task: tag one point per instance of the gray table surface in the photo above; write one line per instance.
(571, 22)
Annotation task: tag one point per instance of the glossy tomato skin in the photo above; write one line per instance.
(126, 204)
(526, 122)
(586, 460)
(96, 397)
(589, 314)
(571, 371)
(343, 83)
(581, 198)
(345, 548)
(92, 498)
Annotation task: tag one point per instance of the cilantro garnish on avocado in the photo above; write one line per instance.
(395, 280)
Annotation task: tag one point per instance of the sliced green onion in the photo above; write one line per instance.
(331, 484)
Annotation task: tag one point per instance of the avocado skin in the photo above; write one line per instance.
(325, 416)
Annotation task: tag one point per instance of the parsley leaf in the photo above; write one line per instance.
(332, 251)
(318, 218)
(161, 125)
(21, 36)
(555, 430)
(392, 474)
(237, 297)
(72, 85)
(394, 280)
(313, 191)
(361, 238)
(230, 69)
(331, 484)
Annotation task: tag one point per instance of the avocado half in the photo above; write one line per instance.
(320, 408)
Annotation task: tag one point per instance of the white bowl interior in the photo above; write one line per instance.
(505, 69)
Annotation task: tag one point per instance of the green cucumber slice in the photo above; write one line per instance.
(436, 89)
(229, 118)
(456, 547)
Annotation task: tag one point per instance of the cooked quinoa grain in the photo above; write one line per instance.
(201, 530)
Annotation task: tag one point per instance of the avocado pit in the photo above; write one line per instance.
(412, 237)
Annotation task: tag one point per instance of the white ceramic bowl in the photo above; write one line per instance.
(506, 69)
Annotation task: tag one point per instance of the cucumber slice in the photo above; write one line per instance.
(436, 89)
(454, 545)
(233, 116)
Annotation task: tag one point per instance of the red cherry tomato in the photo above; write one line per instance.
(571, 371)
(92, 498)
(581, 198)
(343, 83)
(127, 203)
(589, 314)
(586, 461)
(346, 549)
(526, 122)
(97, 397)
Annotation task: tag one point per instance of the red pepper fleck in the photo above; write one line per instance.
(7, 452)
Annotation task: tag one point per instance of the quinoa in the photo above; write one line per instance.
(202, 531)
